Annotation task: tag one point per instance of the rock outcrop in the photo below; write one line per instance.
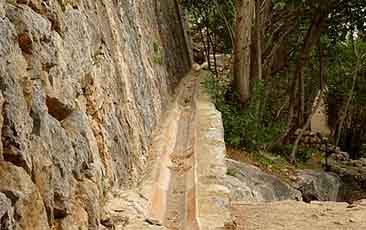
(353, 176)
(82, 85)
(318, 185)
(250, 183)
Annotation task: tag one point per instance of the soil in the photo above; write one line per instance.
(293, 215)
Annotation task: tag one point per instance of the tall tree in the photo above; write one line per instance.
(242, 51)
(297, 91)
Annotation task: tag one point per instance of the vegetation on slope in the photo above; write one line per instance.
(289, 51)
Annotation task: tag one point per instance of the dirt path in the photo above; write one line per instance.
(292, 215)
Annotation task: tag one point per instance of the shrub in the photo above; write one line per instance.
(243, 129)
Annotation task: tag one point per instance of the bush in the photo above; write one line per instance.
(242, 127)
(304, 155)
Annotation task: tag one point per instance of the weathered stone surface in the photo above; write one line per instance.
(213, 196)
(6, 213)
(80, 93)
(90, 200)
(18, 187)
(249, 183)
(318, 185)
(353, 177)
(1, 122)
(2, 8)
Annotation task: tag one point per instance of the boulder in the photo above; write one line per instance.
(318, 185)
(353, 177)
(250, 183)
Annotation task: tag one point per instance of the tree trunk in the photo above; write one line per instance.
(244, 16)
(305, 127)
(297, 90)
(259, 31)
(229, 27)
(348, 103)
(207, 25)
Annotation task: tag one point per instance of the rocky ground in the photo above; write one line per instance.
(263, 200)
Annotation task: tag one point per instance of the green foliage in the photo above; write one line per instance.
(342, 71)
(242, 127)
(329, 61)
(348, 17)
(306, 4)
(232, 172)
(213, 18)
(347, 59)
(265, 162)
(158, 57)
(11, 2)
(304, 155)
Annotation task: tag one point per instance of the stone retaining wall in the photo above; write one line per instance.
(212, 195)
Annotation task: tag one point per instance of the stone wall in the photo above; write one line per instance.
(82, 85)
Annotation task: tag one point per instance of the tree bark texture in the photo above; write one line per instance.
(242, 54)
